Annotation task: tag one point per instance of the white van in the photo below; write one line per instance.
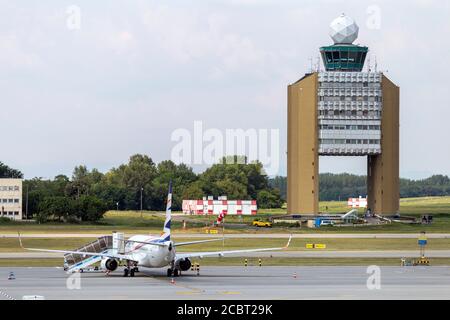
(326, 223)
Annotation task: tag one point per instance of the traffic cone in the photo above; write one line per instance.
(11, 276)
(172, 281)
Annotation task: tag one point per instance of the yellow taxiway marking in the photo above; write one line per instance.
(229, 292)
(188, 292)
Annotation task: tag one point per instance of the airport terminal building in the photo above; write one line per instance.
(343, 111)
(11, 198)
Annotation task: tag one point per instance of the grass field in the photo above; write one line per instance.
(408, 206)
(251, 262)
(132, 222)
(439, 206)
(12, 245)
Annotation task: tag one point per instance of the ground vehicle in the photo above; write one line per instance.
(326, 223)
(259, 223)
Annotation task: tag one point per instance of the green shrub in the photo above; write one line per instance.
(5, 220)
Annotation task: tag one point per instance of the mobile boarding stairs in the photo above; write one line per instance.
(74, 262)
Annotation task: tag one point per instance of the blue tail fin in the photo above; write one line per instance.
(166, 231)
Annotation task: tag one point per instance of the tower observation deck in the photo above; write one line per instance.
(343, 55)
(349, 101)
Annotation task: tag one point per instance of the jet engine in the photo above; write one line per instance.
(109, 264)
(184, 264)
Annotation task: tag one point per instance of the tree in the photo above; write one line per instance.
(138, 173)
(112, 194)
(279, 183)
(342, 186)
(181, 176)
(89, 208)
(56, 207)
(80, 183)
(225, 179)
(7, 172)
(42, 217)
(193, 191)
(269, 199)
(60, 184)
(39, 189)
(256, 177)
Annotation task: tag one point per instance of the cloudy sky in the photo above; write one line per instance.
(126, 74)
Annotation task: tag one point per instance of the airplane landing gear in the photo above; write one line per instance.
(129, 272)
(130, 269)
(173, 272)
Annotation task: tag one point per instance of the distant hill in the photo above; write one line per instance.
(342, 186)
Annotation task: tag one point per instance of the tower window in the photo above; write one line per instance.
(336, 55)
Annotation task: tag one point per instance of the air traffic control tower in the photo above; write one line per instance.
(343, 111)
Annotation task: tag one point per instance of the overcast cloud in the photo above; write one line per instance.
(137, 70)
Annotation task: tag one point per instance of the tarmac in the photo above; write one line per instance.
(234, 283)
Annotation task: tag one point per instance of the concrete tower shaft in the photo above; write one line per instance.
(383, 186)
(303, 155)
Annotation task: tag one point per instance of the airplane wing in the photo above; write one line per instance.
(229, 252)
(194, 242)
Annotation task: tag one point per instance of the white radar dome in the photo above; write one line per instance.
(343, 30)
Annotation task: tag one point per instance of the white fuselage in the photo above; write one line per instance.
(149, 255)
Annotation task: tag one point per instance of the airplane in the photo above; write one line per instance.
(153, 251)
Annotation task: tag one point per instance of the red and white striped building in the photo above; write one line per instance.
(357, 202)
(216, 207)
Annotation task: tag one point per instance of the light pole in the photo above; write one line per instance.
(142, 189)
(223, 233)
(26, 205)
(117, 205)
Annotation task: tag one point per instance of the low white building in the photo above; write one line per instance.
(11, 198)
(222, 206)
(357, 202)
